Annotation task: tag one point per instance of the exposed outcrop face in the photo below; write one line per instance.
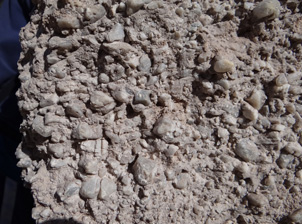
(139, 111)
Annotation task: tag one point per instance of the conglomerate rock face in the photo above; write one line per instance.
(140, 111)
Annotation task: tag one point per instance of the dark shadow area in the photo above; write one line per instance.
(61, 221)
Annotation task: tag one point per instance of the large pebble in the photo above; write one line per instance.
(285, 160)
(90, 187)
(144, 170)
(267, 9)
(84, 131)
(116, 34)
(249, 112)
(56, 149)
(95, 13)
(40, 128)
(99, 99)
(293, 148)
(223, 65)
(296, 216)
(142, 97)
(108, 187)
(258, 200)
(144, 63)
(257, 99)
(182, 181)
(133, 6)
(162, 126)
(102, 102)
(247, 150)
(68, 22)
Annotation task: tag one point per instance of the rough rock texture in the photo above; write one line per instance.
(139, 111)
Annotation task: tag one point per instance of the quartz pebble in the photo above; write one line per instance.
(144, 170)
(247, 150)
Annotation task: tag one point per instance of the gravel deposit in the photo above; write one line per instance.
(141, 111)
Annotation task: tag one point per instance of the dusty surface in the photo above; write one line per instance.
(140, 111)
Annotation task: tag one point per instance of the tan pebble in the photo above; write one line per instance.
(257, 99)
(258, 200)
(296, 216)
(250, 112)
(223, 65)
(269, 9)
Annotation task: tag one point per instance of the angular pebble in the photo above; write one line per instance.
(108, 187)
(142, 97)
(99, 99)
(249, 112)
(144, 63)
(90, 187)
(144, 170)
(247, 150)
(116, 34)
(257, 99)
(162, 126)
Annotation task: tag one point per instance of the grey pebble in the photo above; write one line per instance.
(90, 187)
(247, 150)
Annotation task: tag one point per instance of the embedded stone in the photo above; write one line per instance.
(90, 187)
(144, 170)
